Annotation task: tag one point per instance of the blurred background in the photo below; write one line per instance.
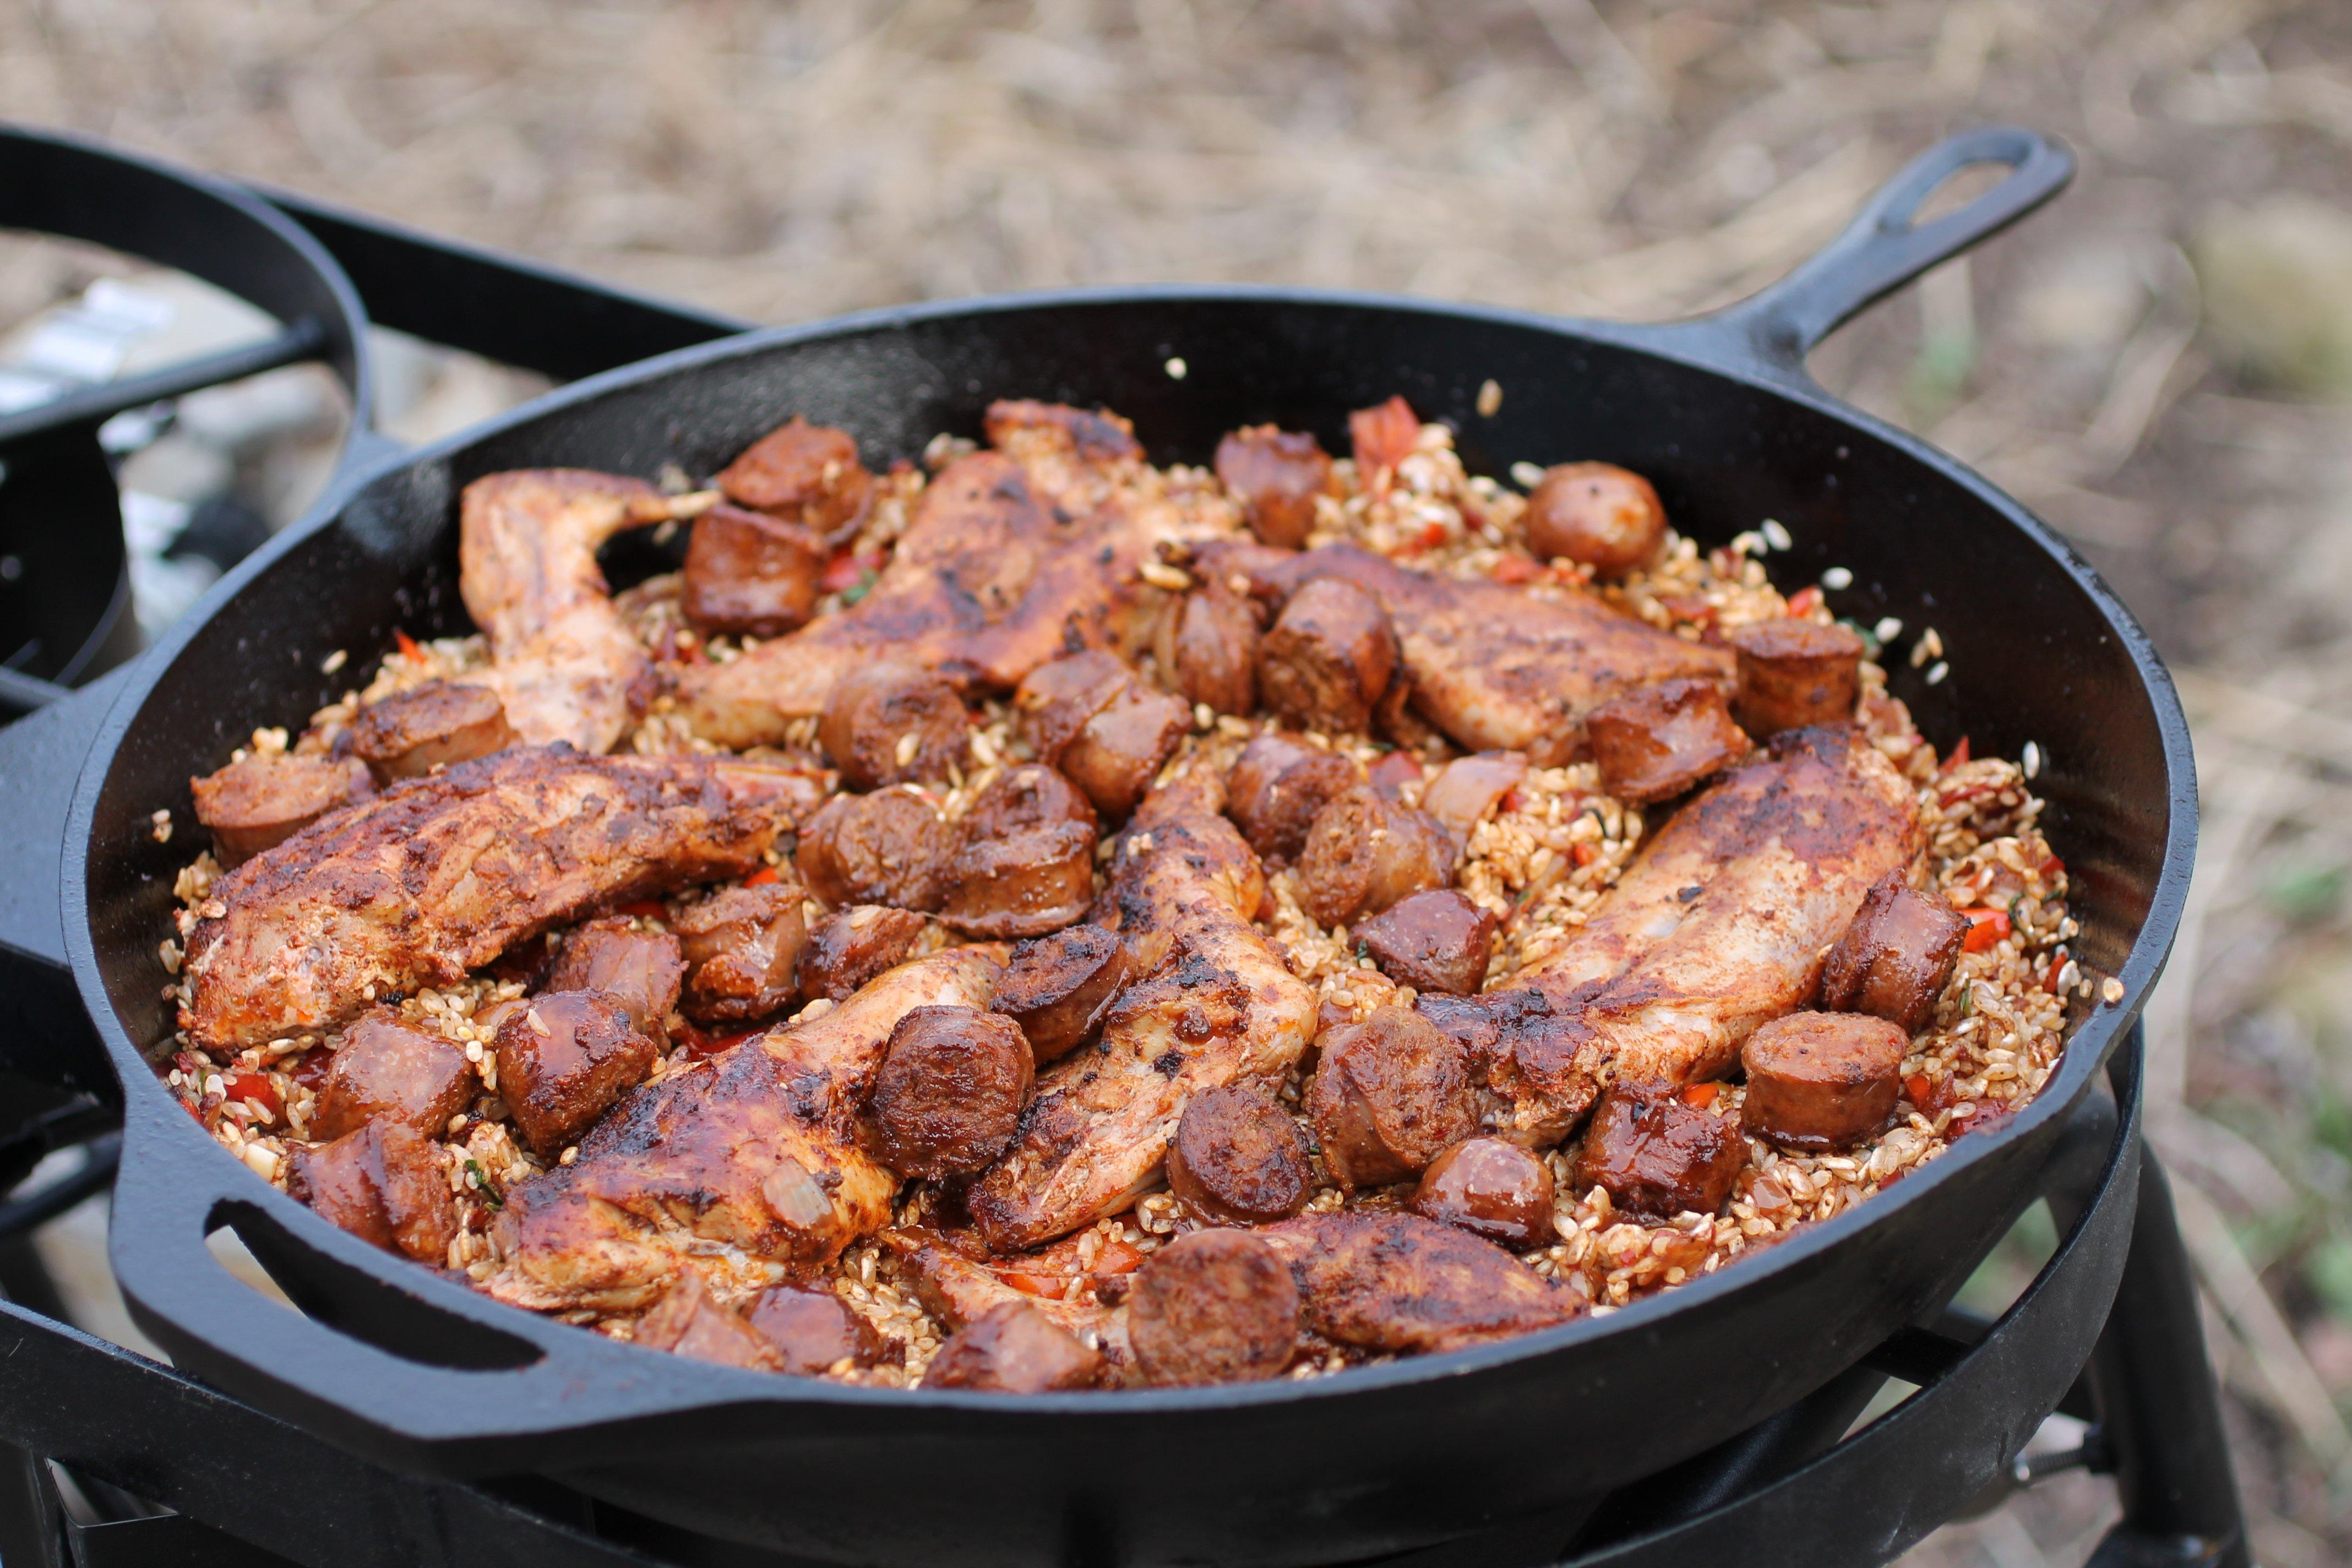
(2161, 365)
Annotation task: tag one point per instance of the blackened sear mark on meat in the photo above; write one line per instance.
(1168, 1064)
(1687, 894)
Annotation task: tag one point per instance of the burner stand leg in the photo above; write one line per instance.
(2160, 1407)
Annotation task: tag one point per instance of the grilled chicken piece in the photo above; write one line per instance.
(756, 1148)
(1399, 1283)
(687, 1322)
(742, 946)
(1015, 556)
(562, 1058)
(386, 1071)
(813, 1330)
(438, 876)
(853, 946)
(1717, 927)
(1216, 1003)
(641, 969)
(259, 802)
(1496, 667)
(562, 661)
(956, 1288)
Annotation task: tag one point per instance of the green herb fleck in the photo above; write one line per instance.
(859, 589)
(490, 1193)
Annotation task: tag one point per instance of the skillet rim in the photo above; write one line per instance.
(1697, 344)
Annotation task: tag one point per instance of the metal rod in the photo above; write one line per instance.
(298, 340)
(27, 1214)
(20, 693)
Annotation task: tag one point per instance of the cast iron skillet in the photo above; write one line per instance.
(399, 1364)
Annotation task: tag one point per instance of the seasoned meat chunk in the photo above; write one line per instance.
(1467, 788)
(1489, 1188)
(412, 732)
(1013, 1348)
(1822, 1081)
(1095, 436)
(807, 473)
(949, 1090)
(1120, 750)
(1596, 514)
(1897, 957)
(1238, 1158)
(750, 575)
(386, 1071)
(1029, 795)
(1383, 436)
(1208, 650)
(1365, 853)
(1405, 1285)
(894, 723)
(1056, 699)
(1794, 674)
(888, 848)
(853, 946)
(1058, 987)
(813, 1330)
(687, 1322)
(1388, 1095)
(1432, 940)
(1278, 786)
(639, 969)
(1031, 881)
(742, 949)
(1216, 1306)
(1276, 474)
(1658, 740)
(1327, 661)
(1657, 1156)
(563, 1059)
(383, 1184)
(263, 801)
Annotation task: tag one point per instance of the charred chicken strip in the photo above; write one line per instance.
(1719, 926)
(1015, 556)
(957, 1290)
(1217, 1005)
(751, 1155)
(1406, 1285)
(440, 875)
(562, 662)
(1494, 666)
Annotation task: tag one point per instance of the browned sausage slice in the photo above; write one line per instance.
(1058, 987)
(686, 1322)
(258, 804)
(1055, 700)
(1216, 1306)
(1278, 787)
(1434, 941)
(750, 575)
(1388, 1095)
(949, 1090)
(1897, 957)
(808, 473)
(1119, 751)
(440, 723)
(1238, 1157)
(385, 1072)
(1276, 474)
(1597, 514)
(1029, 795)
(1657, 1156)
(641, 969)
(1328, 658)
(1026, 883)
(1489, 1188)
(383, 1184)
(1208, 650)
(1467, 788)
(1365, 853)
(1794, 674)
(1658, 740)
(742, 949)
(813, 1330)
(1399, 1283)
(853, 946)
(894, 723)
(1822, 1081)
(888, 848)
(562, 1058)
(1012, 1348)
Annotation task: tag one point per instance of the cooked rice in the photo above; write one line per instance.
(1552, 847)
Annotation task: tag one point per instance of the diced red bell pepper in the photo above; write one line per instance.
(1805, 601)
(1960, 756)
(700, 1043)
(1986, 928)
(1384, 435)
(256, 1087)
(1701, 1095)
(1116, 1257)
(1515, 569)
(409, 648)
(760, 878)
(643, 909)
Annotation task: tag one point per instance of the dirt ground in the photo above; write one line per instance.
(2162, 365)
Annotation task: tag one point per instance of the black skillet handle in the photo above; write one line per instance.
(1772, 331)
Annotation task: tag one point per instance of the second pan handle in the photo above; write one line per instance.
(1884, 248)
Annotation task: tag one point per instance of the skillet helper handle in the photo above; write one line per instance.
(1883, 249)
